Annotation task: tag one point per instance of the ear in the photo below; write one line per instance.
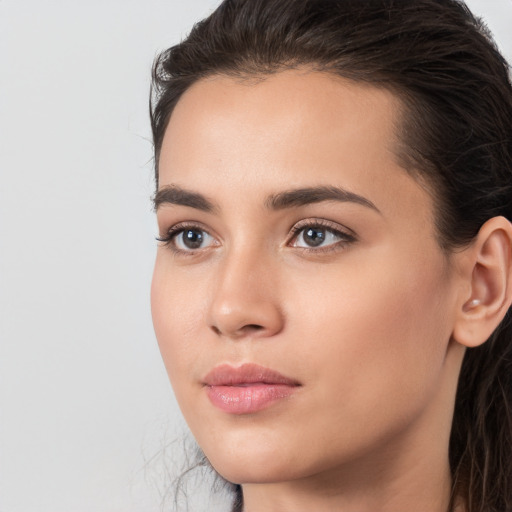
(488, 274)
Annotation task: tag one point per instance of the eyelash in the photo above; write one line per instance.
(174, 231)
(346, 237)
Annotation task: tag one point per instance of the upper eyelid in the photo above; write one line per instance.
(171, 233)
(181, 226)
(324, 223)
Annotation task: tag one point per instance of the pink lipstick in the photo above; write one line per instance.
(246, 389)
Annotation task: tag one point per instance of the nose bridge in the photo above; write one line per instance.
(245, 298)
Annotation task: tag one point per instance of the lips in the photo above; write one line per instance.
(247, 389)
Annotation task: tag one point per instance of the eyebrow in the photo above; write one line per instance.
(173, 194)
(304, 196)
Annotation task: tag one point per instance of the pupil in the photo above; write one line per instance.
(314, 236)
(192, 238)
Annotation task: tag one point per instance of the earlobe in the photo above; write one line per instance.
(489, 275)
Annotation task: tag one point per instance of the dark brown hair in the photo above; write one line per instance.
(456, 135)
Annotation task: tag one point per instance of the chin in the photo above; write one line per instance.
(246, 471)
(248, 461)
(257, 461)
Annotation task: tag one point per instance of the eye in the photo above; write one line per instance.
(187, 238)
(319, 235)
(191, 239)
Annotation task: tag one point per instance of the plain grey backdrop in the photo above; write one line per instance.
(84, 399)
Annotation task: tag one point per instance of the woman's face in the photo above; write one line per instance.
(297, 243)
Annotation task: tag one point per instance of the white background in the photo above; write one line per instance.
(84, 399)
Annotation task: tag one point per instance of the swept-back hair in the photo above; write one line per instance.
(455, 134)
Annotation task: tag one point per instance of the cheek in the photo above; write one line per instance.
(176, 312)
(375, 336)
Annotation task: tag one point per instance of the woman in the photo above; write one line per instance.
(332, 290)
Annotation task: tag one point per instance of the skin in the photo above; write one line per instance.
(364, 322)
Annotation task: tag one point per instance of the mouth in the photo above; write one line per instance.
(248, 388)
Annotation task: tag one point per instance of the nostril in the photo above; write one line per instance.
(250, 330)
(216, 330)
(245, 330)
(253, 327)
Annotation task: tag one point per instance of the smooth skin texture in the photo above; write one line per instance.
(364, 318)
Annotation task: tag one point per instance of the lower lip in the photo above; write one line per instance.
(247, 399)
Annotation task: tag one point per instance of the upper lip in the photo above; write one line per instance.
(249, 373)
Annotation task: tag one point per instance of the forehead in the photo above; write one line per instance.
(298, 127)
(292, 103)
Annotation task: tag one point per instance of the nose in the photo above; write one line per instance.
(245, 300)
